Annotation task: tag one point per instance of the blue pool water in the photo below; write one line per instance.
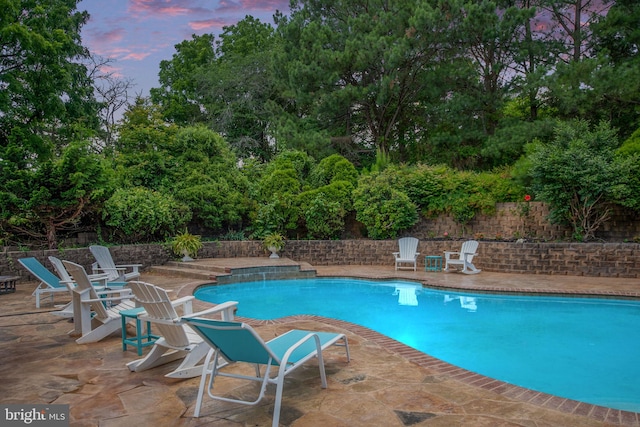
(579, 348)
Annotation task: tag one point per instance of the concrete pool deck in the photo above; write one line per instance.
(385, 384)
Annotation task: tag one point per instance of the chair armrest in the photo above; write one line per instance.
(133, 266)
(284, 363)
(121, 291)
(185, 302)
(116, 269)
(120, 298)
(226, 308)
(447, 254)
(467, 254)
(99, 277)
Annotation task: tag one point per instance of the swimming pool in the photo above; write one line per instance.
(578, 348)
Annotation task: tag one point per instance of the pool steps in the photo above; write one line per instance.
(225, 275)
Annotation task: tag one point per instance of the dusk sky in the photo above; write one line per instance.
(138, 34)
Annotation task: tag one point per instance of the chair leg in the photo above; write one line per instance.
(208, 369)
(159, 355)
(190, 368)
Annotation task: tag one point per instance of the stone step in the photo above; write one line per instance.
(222, 275)
(191, 273)
(196, 266)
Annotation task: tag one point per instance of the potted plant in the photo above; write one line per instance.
(187, 245)
(274, 243)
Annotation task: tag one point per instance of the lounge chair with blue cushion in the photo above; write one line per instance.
(238, 342)
(176, 341)
(49, 285)
(408, 252)
(105, 264)
(96, 314)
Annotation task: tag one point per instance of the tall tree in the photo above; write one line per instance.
(570, 23)
(179, 94)
(47, 110)
(616, 79)
(361, 68)
(238, 88)
(45, 88)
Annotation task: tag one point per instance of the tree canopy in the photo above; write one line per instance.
(372, 111)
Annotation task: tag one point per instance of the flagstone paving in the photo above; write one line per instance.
(385, 384)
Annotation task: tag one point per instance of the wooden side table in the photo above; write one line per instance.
(8, 284)
(432, 263)
(142, 338)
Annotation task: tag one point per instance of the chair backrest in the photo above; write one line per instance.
(81, 279)
(157, 304)
(41, 273)
(237, 342)
(59, 268)
(105, 261)
(468, 247)
(408, 247)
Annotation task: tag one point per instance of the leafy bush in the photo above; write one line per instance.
(333, 168)
(214, 202)
(281, 213)
(631, 146)
(324, 218)
(576, 174)
(383, 209)
(139, 215)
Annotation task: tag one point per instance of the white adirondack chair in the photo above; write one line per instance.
(105, 264)
(408, 254)
(176, 341)
(91, 317)
(463, 258)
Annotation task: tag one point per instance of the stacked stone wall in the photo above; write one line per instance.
(576, 259)
(527, 220)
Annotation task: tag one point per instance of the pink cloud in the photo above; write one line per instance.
(207, 24)
(165, 7)
(136, 56)
(112, 70)
(228, 6)
(112, 36)
(272, 5)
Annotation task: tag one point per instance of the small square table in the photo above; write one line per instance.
(8, 284)
(432, 263)
(142, 338)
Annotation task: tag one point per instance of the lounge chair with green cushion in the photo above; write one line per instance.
(238, 342)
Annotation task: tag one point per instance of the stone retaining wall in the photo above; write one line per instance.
(524, 220)
(578, 259)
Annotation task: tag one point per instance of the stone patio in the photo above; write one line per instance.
(385, 384)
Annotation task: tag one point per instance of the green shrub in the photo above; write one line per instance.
(324, 218)
(383, 209)
(333, 168)
(577, 174)
(139, 215)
